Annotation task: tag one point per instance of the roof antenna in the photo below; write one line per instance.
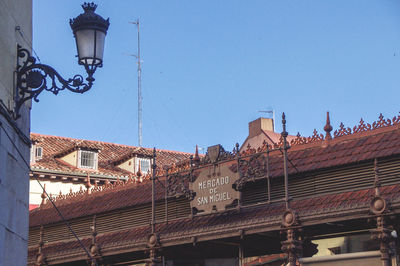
(269, 111)
(139, 70)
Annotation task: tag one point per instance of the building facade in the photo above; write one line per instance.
(262, 132)
(66, 165)
(328, 199)
(15, 28)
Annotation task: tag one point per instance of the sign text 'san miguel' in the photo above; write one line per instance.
(213, 185)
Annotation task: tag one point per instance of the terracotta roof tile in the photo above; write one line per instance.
(53, 146)
(306, 158)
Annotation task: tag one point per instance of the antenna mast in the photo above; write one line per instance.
(140, 98)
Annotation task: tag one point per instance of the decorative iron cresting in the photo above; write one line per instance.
(93, 189)
(250, 169)
(318, 137)
(180, 174)
(216, 154)
(363, 127)
(178, 185)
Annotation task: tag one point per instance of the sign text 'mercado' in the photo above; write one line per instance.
(213, 186)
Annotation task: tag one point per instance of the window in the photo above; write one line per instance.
(87, 159)
(38, 152)
(144, 165)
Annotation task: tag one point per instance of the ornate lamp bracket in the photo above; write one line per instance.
(32, 78)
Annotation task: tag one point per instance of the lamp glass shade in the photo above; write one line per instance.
(90, 45)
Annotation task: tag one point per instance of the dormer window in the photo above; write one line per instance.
(36, 152)
(134, 163)
(87, 159)
(144, 164)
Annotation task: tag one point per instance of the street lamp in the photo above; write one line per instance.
(32, 78)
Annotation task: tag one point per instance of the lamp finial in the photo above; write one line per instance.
(89, 7)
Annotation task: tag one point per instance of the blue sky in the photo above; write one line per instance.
(209, 67)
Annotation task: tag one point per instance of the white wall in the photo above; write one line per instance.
(347, 244)
(14, 174)
(52, 187)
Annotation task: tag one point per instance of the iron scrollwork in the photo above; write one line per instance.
(32, 78)
(216, 154)
(250, 169)
(178, 186)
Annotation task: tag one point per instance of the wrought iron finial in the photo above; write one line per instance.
(43, 195)
(89, 7)
(88, 185)
(154, 159)
(284, 132)
(153, 194)
(328, 128)
(89, 19)
(237, 148)
(139, 172)
(196, 155)
(285, 158)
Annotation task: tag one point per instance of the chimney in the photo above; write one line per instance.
(259, 124)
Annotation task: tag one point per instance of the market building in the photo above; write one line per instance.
(327, 199)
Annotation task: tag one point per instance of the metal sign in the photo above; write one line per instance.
(213, 188)
(213, 152)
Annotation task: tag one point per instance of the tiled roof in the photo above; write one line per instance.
(231, 221)
(319, 153)
(342, 150)
(117, 197)
(55, 147)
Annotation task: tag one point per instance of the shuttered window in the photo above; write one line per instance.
(144, 164)
(87, 159)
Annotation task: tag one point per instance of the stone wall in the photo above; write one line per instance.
(14, 136)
